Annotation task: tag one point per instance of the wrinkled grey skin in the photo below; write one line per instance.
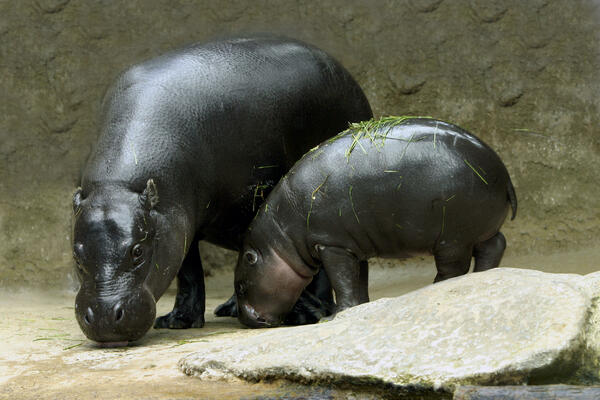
(428, 188)
(191, 143)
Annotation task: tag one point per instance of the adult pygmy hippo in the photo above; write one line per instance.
(394, 188)
(190, 144)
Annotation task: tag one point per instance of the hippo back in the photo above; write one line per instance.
(396, 191)
(216, 125)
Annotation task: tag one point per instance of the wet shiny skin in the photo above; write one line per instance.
(416, 189)
(211, 126)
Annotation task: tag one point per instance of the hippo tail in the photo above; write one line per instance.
(512, 198)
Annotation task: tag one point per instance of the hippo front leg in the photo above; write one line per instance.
(344, 271)
(227, 309)
(188, 311)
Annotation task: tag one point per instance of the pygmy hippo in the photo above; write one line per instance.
(395, 187)
(190, 145)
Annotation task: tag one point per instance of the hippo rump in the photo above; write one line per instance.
(190, 145)
(396, 187)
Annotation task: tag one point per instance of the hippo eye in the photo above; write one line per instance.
(251, 257)
(137, 252)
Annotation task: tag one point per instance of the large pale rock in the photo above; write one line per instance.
(505, 326)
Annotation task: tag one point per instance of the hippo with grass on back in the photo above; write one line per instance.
(191, 143)
(395, 188)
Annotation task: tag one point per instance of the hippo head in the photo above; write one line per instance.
(113, 245)
(268, 282)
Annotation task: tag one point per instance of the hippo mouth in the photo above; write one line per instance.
(250, 317)
(115, 321)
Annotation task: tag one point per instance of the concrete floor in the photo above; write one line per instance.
(44, 355)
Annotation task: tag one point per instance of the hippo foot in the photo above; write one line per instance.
(309, 309)
(178, 320)
(227, 309)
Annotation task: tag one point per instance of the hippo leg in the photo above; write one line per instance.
(227, 309)
(364, 282)
(188, 311)
(452, 262)
(343, 269)
(489, 253)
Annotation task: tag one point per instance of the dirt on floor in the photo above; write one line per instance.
(44, 355)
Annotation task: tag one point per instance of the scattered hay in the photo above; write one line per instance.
(406, 147)
(476, 172)
(73, 346)
(262, 188)
(313, 198)
(352, 203)
(376, 130)
(184, 245)
(187, 341)
(443, 219)
(133, 151)
(318, 153)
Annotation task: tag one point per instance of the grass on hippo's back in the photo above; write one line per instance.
(374, 129)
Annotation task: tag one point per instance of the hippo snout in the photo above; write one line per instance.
(115, 320)
(253, 319)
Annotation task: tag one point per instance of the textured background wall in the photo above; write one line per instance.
(522, 75)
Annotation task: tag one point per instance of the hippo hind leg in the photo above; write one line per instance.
(489, 253)
(188, 311)
(451, 262)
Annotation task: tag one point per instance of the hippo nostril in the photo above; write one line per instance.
(89, 316)
(253, 314)
(118, 313)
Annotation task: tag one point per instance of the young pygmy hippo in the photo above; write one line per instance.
(394, 187)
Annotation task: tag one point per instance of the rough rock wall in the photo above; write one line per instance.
(521, 75)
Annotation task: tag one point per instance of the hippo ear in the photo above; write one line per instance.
(150, 195)
(77, 200)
